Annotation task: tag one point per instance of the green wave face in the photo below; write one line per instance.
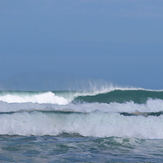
(121, 96)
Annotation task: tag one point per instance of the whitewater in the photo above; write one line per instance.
(113, 120)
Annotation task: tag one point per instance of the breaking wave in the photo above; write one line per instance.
(119, 112)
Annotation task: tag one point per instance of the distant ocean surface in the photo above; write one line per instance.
(106, 125)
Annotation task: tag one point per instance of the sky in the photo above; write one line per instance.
(55, 44)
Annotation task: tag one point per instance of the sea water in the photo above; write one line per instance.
(108, 125)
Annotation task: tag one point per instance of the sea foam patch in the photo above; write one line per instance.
(93, 125)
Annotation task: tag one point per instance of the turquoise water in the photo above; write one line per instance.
(108, 125)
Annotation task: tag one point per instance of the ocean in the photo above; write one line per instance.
(111, 124)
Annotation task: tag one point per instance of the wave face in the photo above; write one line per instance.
(122, 96)
(119, 112)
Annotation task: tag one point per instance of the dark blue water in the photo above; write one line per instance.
(74, 148)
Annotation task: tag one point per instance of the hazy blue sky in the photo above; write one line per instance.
(45, 42)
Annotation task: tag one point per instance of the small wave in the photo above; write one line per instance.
(129, 107)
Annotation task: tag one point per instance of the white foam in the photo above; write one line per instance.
(47, 97)
(93, 124)
(151, 106)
